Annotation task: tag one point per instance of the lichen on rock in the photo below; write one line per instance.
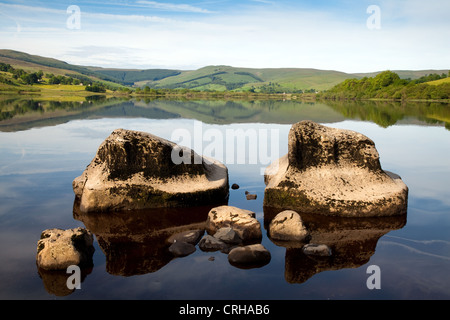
(333, 172)
(136, 170)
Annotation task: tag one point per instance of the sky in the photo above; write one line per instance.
(347, 36)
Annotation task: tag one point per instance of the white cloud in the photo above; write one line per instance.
(173, 7)
(262, 37)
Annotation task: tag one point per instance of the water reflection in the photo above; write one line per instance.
(55, 281)
(352, 242)
(136, 241)
(24, 112)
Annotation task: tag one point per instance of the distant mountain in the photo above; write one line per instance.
(207, 78)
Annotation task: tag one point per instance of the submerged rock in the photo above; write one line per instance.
(58, 249)
(136, 170)
(181, 248)
(189, 236)
(320, 250)
(251, 256)
(333, 172)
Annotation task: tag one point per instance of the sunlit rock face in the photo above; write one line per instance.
(58, 249)
(137, 170)
(333, 172)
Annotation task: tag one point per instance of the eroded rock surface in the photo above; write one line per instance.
(288, 226)
(333, 172)
(136, 170)
(58, 249)
(242, 221)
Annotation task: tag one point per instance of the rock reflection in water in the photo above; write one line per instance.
(136, 241)
(352, 242)
(55, 281)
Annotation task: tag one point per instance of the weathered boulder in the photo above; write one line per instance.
(333, 172)
(58, 249)
(250, 256)
(288, 226)
(242, 221)
(136, 170)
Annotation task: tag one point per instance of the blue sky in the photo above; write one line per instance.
(330, 35)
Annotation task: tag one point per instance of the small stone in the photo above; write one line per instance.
(251, 196)
(190, 236)
(58, 249)
(242, 221)
(288, 226)
(251, 256)
(181, 249)
(227, 235)
(320, 250)
(209, 243)
(234, 186)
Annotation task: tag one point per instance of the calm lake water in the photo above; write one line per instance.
(45, 145)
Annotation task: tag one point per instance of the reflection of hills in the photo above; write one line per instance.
(18, 114)
(135, 242)
(388, 113)
(352, 242)
(22, 112)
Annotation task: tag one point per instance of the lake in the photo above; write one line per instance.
(46, 144)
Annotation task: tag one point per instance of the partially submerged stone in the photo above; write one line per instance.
(333, 172)
(250, 256)
(242, 221)
(319, 250)
(137, 170)
(288, 226)
(58, 249)
(181, 248)
(189, 236)
(209, 243)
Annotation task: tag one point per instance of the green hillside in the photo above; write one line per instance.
(34, 63)
(210, 78)
(268, 80)
(130, 77)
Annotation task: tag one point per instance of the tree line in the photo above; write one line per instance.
(389, 85)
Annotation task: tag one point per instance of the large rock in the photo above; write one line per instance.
(136, 170)
(242, 221)
(333, 172)
(288, 226)
(58, 249)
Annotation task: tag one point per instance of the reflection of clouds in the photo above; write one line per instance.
(414, 250)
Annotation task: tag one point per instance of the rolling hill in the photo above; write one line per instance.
(213, 78)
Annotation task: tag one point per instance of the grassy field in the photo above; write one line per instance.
(440, 81)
